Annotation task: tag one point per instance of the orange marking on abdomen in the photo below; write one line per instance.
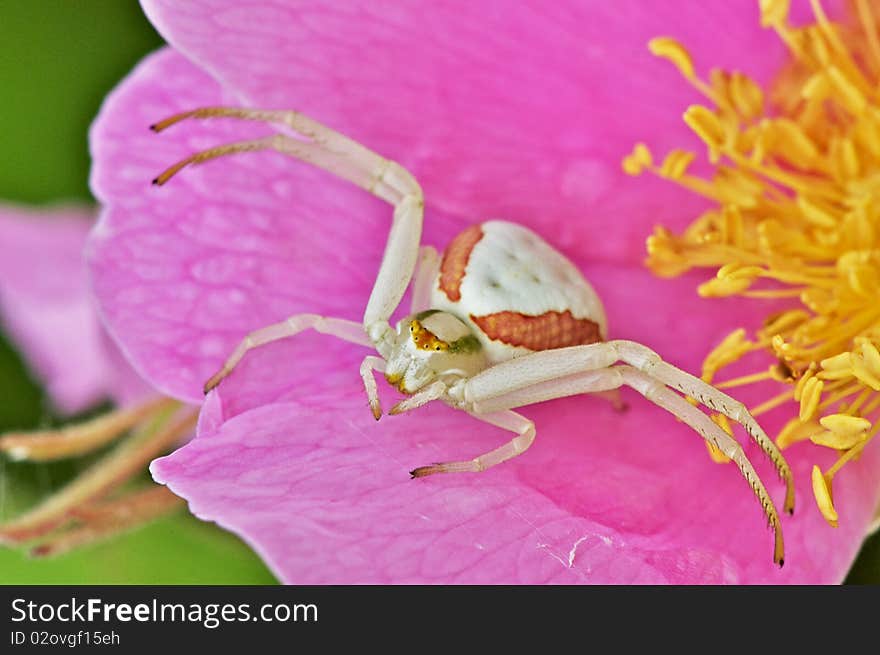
(544, 332)
(455, 260)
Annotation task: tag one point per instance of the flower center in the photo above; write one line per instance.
(796, 186)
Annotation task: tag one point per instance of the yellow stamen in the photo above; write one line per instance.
(822, 492)
(796, 187)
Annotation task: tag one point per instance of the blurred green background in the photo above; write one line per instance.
(59, 58)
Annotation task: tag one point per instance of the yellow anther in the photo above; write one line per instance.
(815, 214)
(845, 425)
(746, 96)
(706, 125)
(817, 87)
(836, 440)
(839, 362)
(673, 51)
(848, 93)
(822, 492)
(790, 141)
(738, 271)
(718, 288)
(811, 394)
(774, 13)
(676, 164)
(871, 357)
(843, 159)
(795, 431)
(732, 348)
(864, 374)
(638, 160)
(800, 384)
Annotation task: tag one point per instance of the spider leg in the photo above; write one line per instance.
(548, 365)
(337, 327)
(370, 364)
(426, 273)
(650, 362)
(329, 150)
(657, 392)
(525, 436)
(433, 391)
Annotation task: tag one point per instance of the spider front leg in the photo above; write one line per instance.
(552, 364)
(493, 394)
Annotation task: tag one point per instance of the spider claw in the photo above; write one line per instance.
(422, 471)
(214, 381)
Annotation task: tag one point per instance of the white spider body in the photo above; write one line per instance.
(518, 293)
(502, 321)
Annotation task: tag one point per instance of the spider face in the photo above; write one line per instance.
(432, 345)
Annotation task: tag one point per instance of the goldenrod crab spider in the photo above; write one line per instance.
(501, 320)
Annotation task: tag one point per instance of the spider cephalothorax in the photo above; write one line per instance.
(431, 345)
(502, 320)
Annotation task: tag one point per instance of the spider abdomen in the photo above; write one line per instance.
(517, 292)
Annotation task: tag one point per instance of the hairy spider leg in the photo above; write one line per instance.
(613, 377)
(548, 365)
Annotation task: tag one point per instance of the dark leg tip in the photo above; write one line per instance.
(156, 182)
(781, 563)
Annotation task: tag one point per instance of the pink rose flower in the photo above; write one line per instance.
(519, 111)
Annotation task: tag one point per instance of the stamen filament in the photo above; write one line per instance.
(129, 458)
(870, 28)
(108, 519)
(744, 379)
(75, 440)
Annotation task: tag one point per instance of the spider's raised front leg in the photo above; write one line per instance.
(549, 365)
(333, 152)
(492, 399)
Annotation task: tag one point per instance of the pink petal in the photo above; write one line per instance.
(47, 308)
(517, 110)
(321, 490)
